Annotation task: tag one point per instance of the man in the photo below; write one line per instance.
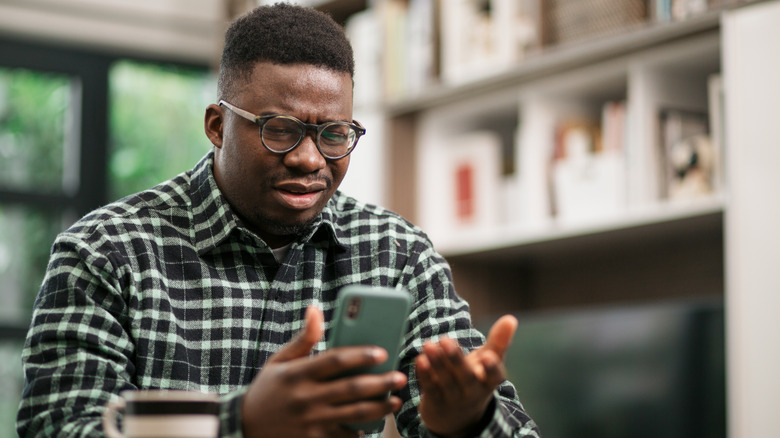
(224, 278)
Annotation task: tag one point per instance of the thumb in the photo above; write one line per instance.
(500, 336)
(305, 340)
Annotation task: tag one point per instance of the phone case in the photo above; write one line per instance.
(368, 315)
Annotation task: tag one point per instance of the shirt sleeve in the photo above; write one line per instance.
(79, 352)
(437, 311)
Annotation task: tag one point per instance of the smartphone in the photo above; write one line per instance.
(371, 315)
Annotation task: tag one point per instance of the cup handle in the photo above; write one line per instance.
(109, 417)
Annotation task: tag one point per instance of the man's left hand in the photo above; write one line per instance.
(457, 389)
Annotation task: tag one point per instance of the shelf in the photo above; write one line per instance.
(667, 222)
(561, 58)
(340, 10)
(670, 254)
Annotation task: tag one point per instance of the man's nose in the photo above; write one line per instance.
(306, 156)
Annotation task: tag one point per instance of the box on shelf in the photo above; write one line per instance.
(588, 176)
(571, 20)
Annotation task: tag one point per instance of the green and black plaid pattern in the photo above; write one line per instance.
(166, 289)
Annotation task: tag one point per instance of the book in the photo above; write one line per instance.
(367, 47)
(534, 139)
(481, 37)
(613, 125)
(474, 181)
(422, 46)
(716, 105)
(684, 9)
(662, 10)
(394, 31)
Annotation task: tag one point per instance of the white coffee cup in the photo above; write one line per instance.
(163, 413)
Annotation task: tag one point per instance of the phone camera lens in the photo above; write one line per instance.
(353, 308)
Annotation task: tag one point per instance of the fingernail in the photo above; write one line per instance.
(378, 354)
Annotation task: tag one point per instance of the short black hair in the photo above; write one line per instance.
(282, 34)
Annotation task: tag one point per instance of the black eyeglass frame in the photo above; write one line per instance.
(260, 121)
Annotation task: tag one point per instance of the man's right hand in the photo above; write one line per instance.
(296, 395)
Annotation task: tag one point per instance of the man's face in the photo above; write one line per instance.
(279, 195)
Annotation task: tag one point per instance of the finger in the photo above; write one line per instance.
(495, 372)
(501, 334)
(305, 340)
(455, 363)
(452, 359)
(445, 379)
(426, 378)
(356, 388)
(331, 430)
(439, 364)
(358, 412)
(341, 361)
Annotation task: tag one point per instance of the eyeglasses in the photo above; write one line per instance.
(281, 134)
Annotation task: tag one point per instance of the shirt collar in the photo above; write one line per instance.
(214, 219)
(325, 227)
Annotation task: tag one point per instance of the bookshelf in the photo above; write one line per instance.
(648, 67)
(650, 70)
(647, 248)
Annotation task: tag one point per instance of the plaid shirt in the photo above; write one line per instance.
(167, 289)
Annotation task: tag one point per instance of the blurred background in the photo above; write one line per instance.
(599, 168)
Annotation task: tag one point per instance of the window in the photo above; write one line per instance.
(78, 130)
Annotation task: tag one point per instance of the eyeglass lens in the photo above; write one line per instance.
(282, 133)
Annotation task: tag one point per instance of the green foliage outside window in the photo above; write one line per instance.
(33, 122)
(156, 123)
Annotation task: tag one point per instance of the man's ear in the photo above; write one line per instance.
(213, 124)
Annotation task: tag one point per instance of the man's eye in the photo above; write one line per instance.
(281, 131)
(334, 136)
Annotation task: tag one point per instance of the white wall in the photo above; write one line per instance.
(185, 30)
(752, 90)
(367, 172)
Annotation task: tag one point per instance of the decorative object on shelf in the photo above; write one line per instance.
(687, 153)
(691, 160)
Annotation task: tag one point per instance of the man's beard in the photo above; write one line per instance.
(276, 228)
